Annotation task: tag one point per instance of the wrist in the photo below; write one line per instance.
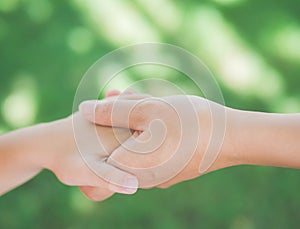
(57, 140)
(217, 145)
(43, 144)
(23, 153)
(17, 161)
(25, 146)
(229, 153)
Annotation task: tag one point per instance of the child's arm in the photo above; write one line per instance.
(25, 152)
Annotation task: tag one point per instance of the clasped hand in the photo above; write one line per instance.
(166, 145)
(129, 141)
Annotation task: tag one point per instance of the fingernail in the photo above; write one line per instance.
(122, 190)
(130, 186)
(112, 92)
(129, 91)
(131, 183)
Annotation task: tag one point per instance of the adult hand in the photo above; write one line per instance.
(178, 135)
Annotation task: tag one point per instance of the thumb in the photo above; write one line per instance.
(117, 179)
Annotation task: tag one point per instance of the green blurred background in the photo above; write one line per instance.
(253, 49)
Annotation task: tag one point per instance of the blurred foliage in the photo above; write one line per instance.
(252, 48)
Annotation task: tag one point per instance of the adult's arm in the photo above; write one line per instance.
(247, 137)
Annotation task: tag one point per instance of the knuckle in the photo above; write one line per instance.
(111, 161)
(143, 109)
(63, 178)
(146, 105)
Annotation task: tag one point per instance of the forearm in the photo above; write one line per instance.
(22, 153)
(268, 139)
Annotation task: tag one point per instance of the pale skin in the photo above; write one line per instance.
(25, 152)
(252, 138)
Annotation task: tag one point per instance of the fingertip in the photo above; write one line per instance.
(128, 91)
(130, 186)
(96, 193)
(87, 109)
(131, 182)
(87, 105)
(112, 92)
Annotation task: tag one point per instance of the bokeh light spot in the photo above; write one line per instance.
(119, 82)
(80, 203)
(242, 222)
(163, 13)
(229, 2)
(287, 105)
(118, 21)
(39, 10)
(3, 130)
(80, 40)
(286, 42)
(8, 5)
(239, 67)
(20, 106)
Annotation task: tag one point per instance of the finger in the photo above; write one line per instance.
(148, 156)
(139, 151)
(99, 174)
(119, 113)
(128, 91)
(138, 157)
(116, 179)
(96, 193)
(112, 92)
(111, 178)
(127, 97)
